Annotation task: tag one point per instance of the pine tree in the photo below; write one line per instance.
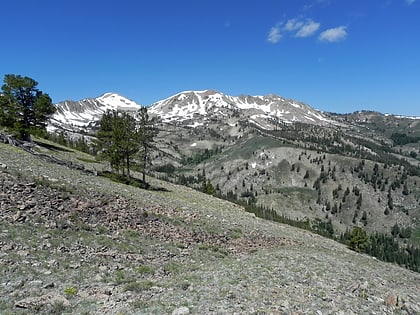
(358, 240)
(147, 132)
(395, 230)
(208, 188)
(24, 109)
(118, 140)
(359, 201)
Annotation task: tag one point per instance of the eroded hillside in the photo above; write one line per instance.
(74, 242)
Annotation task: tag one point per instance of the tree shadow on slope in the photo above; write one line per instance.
(131, 181)
(51, 147)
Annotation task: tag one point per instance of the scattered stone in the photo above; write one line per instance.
(74, 265)
(49, 285)
(19, 217)
(35, 283)
(39, 301)
(391, 300)
(181, 311)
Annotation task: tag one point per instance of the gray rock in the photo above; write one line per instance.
(51, 299)
(181, 311)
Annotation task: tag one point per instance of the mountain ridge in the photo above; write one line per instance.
(300, 168)
(186, 105)
(266, 111)
(77, 115)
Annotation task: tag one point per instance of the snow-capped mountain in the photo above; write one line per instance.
(261, 110)
(82, 115)
(191, 108)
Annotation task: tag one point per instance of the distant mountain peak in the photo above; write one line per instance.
(81, 114)
(116, 101)
(208, 104)
(193, 108)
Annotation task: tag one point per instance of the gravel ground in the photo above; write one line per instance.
(75, 243)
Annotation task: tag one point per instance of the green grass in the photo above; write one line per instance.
(145, 269)
(245, 151)
(88, 160)
(70, 291)
(415, 236)
(213, 248)
(139, 286)
(293, 190)
(131, 181)
(172, 267)
(235, 233)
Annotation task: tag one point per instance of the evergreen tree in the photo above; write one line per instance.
(147, 132)
(395, 230)
(208, 188)
(405, 190)
(117, 140)
(23, 108)
(358, 240)
(363, 219)
(359, 201)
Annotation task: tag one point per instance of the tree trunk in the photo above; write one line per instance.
(144, 167)
(128, 164)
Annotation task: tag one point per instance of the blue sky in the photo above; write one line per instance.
(335, 55)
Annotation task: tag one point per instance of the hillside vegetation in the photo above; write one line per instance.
(348, 176)
(74, 242)
(132, 225)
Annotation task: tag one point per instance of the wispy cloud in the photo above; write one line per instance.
(300, 28)
(332, 35)
(308, 29)
(274, 35)
(410, 2)
(315, 3)
(293, 25)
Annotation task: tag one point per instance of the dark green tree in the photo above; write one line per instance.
(395, 230)
(208, 188)
(359, 201)
(24, 109)
(405, 190)
(147, 131)
(364, 218)
(117, 140)
(358, 239)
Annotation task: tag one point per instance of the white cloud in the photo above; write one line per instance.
(303, 28)
(409, 2)
(333, 34)
(296, 27)
(274, 35)
(293, 25)
(308, 29)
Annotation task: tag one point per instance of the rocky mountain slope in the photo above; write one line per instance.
(191, 107)
(210, 105)
(75, 243)
(360, 169)
(82, 116)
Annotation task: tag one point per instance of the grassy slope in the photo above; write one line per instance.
(127, 272)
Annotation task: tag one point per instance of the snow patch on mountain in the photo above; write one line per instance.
(207, 104)
(83, 114)
(404, 117)
(192, 109)
(116, 101)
